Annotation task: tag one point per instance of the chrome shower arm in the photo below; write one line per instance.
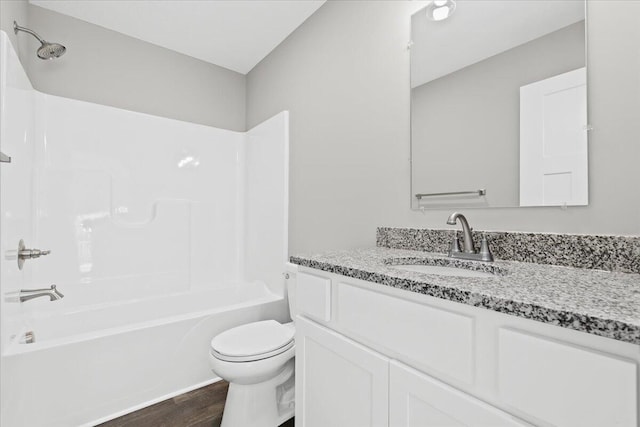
(46, 50)
(17, 28)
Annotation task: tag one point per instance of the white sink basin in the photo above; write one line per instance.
(443, 271)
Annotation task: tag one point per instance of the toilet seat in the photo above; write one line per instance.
(253, 341)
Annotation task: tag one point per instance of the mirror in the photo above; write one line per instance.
(498, 104)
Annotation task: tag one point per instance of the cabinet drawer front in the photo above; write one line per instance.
(566, 385)
(417, 400)
(428, 337)
(313, 296)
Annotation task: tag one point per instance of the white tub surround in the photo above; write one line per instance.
(162, 234)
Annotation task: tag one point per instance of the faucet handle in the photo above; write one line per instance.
(455, 244)
(32, 253)
(24, 254)
(485, 251)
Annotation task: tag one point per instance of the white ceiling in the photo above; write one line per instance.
(482, 28)
(232, 34)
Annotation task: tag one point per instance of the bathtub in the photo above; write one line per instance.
(99, 362)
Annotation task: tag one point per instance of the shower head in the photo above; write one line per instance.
(47, 50)
(51, 50)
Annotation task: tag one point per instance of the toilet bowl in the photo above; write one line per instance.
(257, 359)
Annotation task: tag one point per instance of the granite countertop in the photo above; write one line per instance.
(594, 301)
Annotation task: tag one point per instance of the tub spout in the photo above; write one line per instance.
(52, 293)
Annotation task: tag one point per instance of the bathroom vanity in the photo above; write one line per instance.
(381, 345)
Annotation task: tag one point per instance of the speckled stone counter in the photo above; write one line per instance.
(593, 301)
(612, 253)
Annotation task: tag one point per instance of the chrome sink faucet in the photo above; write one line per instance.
(469, 251)
(466, 231)
(52, 293)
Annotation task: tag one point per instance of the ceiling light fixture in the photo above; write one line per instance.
(439, 10)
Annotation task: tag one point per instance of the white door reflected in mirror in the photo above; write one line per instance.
(553, 141)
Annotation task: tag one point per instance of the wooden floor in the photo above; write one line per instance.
(199, 408)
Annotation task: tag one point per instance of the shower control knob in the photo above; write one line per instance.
(24, 253)
(32, 253)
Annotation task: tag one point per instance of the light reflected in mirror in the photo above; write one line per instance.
(498, 100)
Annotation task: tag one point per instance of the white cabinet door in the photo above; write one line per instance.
(339, 383)
(417, 400)
(553, 141)
(566, 385)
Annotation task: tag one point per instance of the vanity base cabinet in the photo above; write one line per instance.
(383, 356)
(339, 383)
(418, 400)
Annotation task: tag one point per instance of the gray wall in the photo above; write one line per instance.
(107, 67)
(466, 125)
(344, 75)
(14, 10)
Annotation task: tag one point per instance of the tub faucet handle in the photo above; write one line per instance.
(25, 254)
(32, 253)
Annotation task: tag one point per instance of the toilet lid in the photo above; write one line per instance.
(253, 339)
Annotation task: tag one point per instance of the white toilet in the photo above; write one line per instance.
(257, 359)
